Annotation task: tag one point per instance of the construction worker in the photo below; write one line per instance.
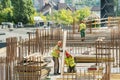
(69, 61)
(55, 54)
(82, 28)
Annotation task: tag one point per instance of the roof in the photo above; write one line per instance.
(71, 8)
(95, 8)
(46, 7)
(61, 6)
(65, 6)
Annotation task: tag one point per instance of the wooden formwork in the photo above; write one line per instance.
(17, 55)
(33, 68)
(2, 68)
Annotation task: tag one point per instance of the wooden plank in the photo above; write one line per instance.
(33, 75)
(87, 59)
(28, 68)
(66, 79)
(101, 54)
(69, 73)
(115, 76)
(90, 72)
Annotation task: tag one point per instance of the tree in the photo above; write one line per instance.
(6, 15)
(23, 11)
(43, 17)
(63, 16)
(67, 16)
(6, 3)
(83, 13)
(6, 12)
(1, 7)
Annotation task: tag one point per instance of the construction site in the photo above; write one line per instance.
(96, 58)
(28, 57)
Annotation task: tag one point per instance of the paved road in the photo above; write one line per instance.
(16, 32)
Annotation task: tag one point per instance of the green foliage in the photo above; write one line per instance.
(23, 11)
(6, 3)
(6, 12)
(83, 13)
(62, 16)
(43, 17)
(67, 16)
(6, 15)
(48, 17)
(55, 16)
(40, 15)
(1, 7)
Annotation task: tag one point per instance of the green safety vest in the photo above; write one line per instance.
(70, 61)
(55, 51)
(82, 26)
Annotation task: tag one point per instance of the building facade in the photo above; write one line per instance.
(74, 3)
(58, 1)
(38, 4)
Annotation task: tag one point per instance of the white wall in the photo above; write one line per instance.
(62, 1)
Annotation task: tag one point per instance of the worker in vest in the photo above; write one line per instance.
(69, 61)
(82, 28)
(55, 54)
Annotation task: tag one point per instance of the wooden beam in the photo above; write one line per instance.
(87, 59)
